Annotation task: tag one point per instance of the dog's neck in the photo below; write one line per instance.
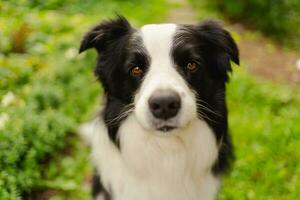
(150, 166)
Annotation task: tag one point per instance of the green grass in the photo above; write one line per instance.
(46, 90)
(265, 125)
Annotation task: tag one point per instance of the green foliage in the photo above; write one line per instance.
(265, 126)
(279, 19)
(47, 89)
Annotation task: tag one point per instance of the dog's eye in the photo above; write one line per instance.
(136, 71)
(192, 67)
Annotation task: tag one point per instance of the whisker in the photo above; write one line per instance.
(209, 110)
(199, 103)
(124, 113)
(204, 116)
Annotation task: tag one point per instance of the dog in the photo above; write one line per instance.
(162, 133)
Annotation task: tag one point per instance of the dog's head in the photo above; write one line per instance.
(168, 75)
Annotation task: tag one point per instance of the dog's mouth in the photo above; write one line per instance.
(165, 125)
(166, 128)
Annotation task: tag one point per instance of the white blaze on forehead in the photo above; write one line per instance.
(157, 39)
(162, 75)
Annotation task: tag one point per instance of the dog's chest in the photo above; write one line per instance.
(169, 167)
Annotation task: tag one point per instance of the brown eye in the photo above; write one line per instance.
(136, 71)
(192, 67)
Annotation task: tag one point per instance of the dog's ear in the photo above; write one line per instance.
(104, 33)
(219, 46)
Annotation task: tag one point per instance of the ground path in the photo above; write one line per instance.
(181, 12)
(262, 57)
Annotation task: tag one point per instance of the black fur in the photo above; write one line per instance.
(207, 44)
(212, 48)
(97, 188)
(118, 52)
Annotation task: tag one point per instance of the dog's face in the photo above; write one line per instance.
(165, 75)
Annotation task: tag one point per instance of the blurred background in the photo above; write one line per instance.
(47, 90)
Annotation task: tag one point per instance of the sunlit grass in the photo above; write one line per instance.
(265, 127)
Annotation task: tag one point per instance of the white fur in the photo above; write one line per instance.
(100, 197)
(162, 75)
(152, 165)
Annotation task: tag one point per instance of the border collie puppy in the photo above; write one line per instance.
(163, 132)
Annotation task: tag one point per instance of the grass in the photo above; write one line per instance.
(265, 124)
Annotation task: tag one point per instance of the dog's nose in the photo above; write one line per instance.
(164, 104)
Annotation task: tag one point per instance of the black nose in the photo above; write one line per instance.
(164, 104)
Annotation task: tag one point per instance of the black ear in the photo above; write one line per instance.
(213, 33)
(104, 33)
(219, 46)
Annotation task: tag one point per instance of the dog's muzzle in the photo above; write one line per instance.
(164, 105)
